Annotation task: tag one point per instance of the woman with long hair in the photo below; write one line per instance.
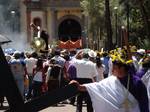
(38, 78)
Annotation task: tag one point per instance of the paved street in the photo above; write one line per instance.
(62, 108)
(59, 108)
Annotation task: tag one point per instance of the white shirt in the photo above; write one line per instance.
(137, 64)
(38, 76)
(100, 71)
(48, 74)
(30, 63)
(60, 60)
(85, 68)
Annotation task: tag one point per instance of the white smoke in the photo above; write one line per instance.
(19, 40)
(2, 20)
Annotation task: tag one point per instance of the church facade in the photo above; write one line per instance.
(62, 19)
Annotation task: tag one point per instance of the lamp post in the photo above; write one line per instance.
(122, 35)
(116, 25)
(13, 19)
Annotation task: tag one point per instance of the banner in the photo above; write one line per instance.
(70, 44)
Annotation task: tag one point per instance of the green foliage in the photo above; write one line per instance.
(95, 9)
(136, 16)
(144, 43)
(92, 7)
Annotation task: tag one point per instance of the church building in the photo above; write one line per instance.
(62, 19)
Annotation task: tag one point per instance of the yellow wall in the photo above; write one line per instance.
(69, 12)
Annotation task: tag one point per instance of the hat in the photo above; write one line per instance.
(92, 54)
(133, 49)
(8, 57)
(17, 54)
(141, 51)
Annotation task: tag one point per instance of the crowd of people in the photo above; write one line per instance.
(107, 81)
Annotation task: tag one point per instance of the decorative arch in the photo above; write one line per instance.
(75, 28)
(70, 17)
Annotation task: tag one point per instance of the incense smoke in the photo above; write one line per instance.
(7, 29)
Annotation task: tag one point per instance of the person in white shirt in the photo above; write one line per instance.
(38, 78)
(60, 60)
(30, 64)
(86, 73)
(85, 68)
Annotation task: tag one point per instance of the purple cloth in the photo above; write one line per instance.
(141, 72)
(72, 71)
(138, 90)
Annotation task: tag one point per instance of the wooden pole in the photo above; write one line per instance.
(125, 36)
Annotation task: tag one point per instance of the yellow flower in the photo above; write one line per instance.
(113, 57)
(129, 61)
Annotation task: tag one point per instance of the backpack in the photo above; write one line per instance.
(55, 76)
(56, 71)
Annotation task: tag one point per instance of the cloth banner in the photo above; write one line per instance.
(70, 44)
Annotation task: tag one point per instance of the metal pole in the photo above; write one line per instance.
(13, 20)
(116, 25)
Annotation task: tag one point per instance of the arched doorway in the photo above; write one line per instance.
(69, 29)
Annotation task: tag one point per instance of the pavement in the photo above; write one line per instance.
(62, 108)
(59, 108)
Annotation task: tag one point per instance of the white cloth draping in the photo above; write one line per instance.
(109, 94)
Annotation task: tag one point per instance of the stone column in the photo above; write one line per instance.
(23, 18)
(48, 21)
(29, 37)
(51, 22)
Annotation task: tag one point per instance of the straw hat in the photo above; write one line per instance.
(92, 54)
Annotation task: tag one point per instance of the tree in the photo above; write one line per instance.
(142, 6)
(99, 19)
(94, 10)
(108, 25)
(134, 14)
